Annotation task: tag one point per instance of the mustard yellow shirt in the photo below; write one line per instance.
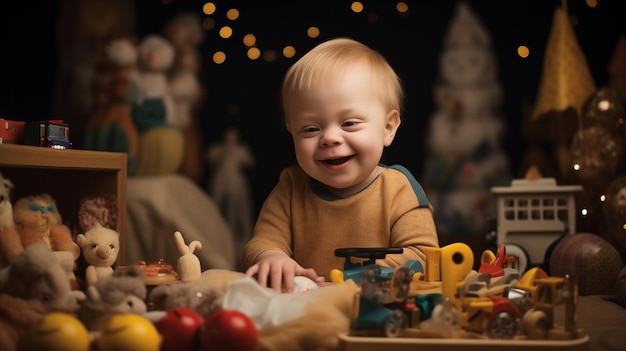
(308, 223)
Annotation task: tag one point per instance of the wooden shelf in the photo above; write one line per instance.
(68, 176)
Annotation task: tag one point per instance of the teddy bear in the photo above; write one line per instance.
(38, 219)
(98, 240)
(124, 291)
(10, 244)
(100, 247)
(37, 274)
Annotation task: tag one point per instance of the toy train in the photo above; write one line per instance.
(532, 215)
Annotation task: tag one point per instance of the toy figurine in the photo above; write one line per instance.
(10, 243)
(98, 240)
(100, 247)
(38, 219)
(228, 185)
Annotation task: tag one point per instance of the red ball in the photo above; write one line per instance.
(228, 330)
(590, 260)
(180, 328)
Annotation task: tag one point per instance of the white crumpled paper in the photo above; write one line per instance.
(266, 307)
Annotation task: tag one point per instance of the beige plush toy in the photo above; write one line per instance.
(10, 244)
(38, 219)
(98, 239)
(100, 247)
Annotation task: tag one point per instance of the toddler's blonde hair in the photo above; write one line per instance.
(329, 60)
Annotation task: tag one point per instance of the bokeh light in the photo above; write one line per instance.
(313, 32)
(226, 32)
(249, 40)
(289, 51)
(523, 51)
(356, 6)
(253, 53)
(402, 7)
(269, 55)
(209, 8)
(219, 57)
(232, 14)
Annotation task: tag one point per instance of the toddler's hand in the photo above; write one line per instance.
(279, 270)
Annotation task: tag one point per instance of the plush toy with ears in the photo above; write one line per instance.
(37, 274)
(100, 247)
(10, 244)
(98, 239)
(38, 219)
(124, 291)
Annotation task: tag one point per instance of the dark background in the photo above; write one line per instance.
(244, 93)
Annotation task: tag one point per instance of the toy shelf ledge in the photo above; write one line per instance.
(68, 175)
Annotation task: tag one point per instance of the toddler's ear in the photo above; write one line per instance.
(391, 126)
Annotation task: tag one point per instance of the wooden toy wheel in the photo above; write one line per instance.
(395, 324)
(400, 283)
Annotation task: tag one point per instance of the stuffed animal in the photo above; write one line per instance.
(10, 244)
(122, 292)
(17, 317)
(100, 247)
(185, 32)
(186, 294)
(38, 219)
(161, 144)
(110, 125)
(98, 239)
(37, 274)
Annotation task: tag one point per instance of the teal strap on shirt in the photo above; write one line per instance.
(417, 188)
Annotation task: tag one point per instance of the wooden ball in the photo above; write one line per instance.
(590, 260)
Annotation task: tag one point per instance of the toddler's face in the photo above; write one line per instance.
(340, 129)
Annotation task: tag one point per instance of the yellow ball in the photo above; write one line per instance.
(59, 331)
(129, 331)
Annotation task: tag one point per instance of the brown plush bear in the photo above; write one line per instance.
(37, 219)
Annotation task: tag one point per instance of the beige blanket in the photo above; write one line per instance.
(158, 206)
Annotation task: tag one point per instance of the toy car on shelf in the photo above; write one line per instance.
(51, 133)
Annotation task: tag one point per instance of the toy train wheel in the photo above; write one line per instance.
(502, 326)
(522, 257)
(445, 314)
(396, 324)
(400, 284)
(536, 324)
(369, 282)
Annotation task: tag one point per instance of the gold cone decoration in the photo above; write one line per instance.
(566, 80)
